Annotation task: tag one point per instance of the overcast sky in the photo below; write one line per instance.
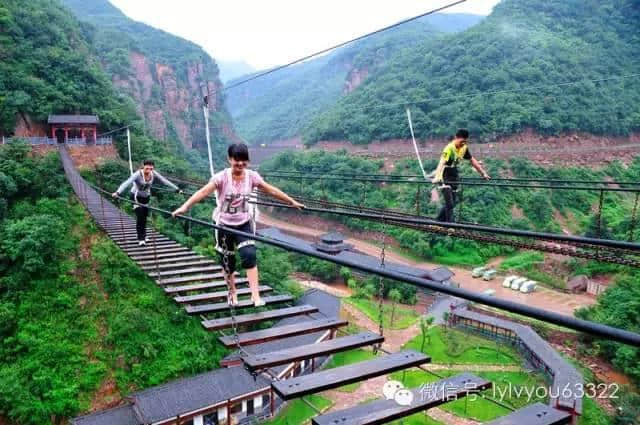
(267, 33)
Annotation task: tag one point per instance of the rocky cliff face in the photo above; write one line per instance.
(165, 76)
(170, 106)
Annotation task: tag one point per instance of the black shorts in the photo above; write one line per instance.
(227, 243)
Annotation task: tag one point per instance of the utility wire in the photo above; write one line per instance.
(344, 43)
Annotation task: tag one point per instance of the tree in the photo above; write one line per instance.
(395, 296)
(346, 274)
(425, 326)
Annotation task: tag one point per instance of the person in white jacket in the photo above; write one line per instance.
(141, 182)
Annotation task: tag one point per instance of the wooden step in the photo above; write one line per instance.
(289, 355)
(189, 256)
(278, 332)
(242, 304)
(194, 278)
(535, 414)
(247, 319)
(179, 272)
(339, 376)
(149, 248)
(425, 397)
(176, 264)
(210, 296)
(202, 286)
(158, 251)
(161, 256)
(132, 242)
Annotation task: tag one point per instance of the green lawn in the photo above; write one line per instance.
(451, 346)
(417, 419)
(298, 412)
(403, 317)
(346, 358)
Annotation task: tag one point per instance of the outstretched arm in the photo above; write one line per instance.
(166, 182)
(476, 164)
(277, 193)
(124, 185)
(202, 193)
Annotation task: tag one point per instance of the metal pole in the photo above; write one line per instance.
(129, 148)
(205, 110)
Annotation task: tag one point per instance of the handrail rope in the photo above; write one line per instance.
(411, 178)
(468, 183)
(475, 227)
(592, 328)
(609, 257)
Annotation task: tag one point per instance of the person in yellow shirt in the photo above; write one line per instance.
(447, 172)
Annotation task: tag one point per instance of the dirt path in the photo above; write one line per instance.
(548, 299)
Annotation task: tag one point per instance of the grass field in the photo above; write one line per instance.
(450, 346)
(403, 317)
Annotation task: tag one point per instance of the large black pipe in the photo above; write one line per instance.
(591, 328)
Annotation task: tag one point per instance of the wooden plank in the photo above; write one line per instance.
(179, 272)
(277, 358)
(194, 278)
(247, 319)
(197, 261)
(210, 296)
(189, 256)
(165, 256)
(535, 414)
(218, 307)
(149, 248)
(278, 332)
(425, 397)
(131, 242)
(157, 251)
(339, 376)
(202, 286)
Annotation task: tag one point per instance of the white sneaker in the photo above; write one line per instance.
(146, 238)
(141, 243)
(259, 303)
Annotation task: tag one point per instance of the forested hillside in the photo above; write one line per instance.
(165, 75)
(279, 105)
(80, 324)
(523, 43)
(47, 67)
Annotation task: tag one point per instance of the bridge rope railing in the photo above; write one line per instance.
(591, 328)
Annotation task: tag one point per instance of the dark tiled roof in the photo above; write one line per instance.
(73, 119)
(189, 394)
(564, 374)
(440, 274)
(123, 415)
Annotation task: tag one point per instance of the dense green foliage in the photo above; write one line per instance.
(278, 105)
(75, 312)
(552, 210)
(46, 67)
(476, 79)
(618, 306)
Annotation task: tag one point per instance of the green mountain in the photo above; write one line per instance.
(522, 44)
(279, 105)
(47, 67)
(230, 70)
(166, 75)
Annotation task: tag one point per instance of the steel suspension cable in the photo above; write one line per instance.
(591, 328)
